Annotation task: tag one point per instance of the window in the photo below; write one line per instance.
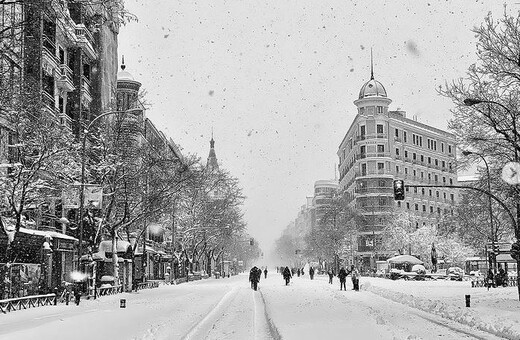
(451, 181)
(363, 130)
(414, 173)
(437, 194)
(382, 183)
(444, 194)
(443, 164)
(415, 190)
(406, 171)
(405, 154)
(380, 148)
(443, 180)
(442, 147)
(397, 168)
(420, 141)
(439, 211)
(422, 191)
(379, 127)
(416, 206)
(362, 149)
(379, 109)
(396, 132)
(363, 169)
(404, 136)
(429, 177)
(452, 197)
(422, 158)
(380, 166)
(436, 178)
(362, 110)
(424, 208)
(399, 204)
(430, 192)
(422, 175)
(408, 205)
(431, 210)
(429, 160)
(414, 156)
(397, 151)
(436, 162)
(449, 148)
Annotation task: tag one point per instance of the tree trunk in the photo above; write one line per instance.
(115, 263)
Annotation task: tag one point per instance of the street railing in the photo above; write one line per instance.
(112, 290)
(9, 305)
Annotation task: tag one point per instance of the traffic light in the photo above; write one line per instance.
(251, 241)
(398, 189)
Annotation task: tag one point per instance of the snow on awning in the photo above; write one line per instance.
(505, 258)
(121, 246)
(43, 233)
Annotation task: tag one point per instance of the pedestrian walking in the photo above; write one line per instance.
(303, 273)
(342, 275)
(355, 277)
(287, 275)
(265, 273)
(254, 277)
(299, 272)
(331, 275)
(311, 273)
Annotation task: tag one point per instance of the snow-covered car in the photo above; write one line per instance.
(455, 273)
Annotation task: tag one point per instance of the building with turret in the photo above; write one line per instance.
(382, 145)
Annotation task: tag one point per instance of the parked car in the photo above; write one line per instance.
(455, 273)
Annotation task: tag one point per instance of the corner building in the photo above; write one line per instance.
(381, 146)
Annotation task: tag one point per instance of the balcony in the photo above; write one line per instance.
(374, 190)
(49, 59)
(85, 90)
(66, 121)
(85, 40)
(398, 139)
(49, 101)
(64, 81)
(371, 136)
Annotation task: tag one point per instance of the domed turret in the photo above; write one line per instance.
(372, 88)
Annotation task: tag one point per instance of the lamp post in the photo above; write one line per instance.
(86, 132)
(492, 229)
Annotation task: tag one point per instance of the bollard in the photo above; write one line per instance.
(122, 303)
(468, 300)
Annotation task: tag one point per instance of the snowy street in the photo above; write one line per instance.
(229, 309)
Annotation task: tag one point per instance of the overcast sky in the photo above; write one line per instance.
(276, 80)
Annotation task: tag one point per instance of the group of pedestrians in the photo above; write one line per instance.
(342, 275)
(287, 274)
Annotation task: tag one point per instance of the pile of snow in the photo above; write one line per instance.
(494, 311)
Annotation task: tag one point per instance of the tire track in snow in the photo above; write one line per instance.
(273, 332)
(202, 328)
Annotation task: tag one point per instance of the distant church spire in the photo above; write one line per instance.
(212, 163)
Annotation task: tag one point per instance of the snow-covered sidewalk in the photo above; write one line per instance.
(496, 311)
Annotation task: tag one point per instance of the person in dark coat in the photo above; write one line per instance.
(299, 272)
(490, 279)
(331, 275)
(311, 273)
(303, 273)
(342, 275)
(287, 275)
(265, 273)
(254, 277)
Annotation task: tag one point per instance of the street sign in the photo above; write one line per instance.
(70, 197)
(93, 197)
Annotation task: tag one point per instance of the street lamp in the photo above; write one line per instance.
(493, 236)
(83, 160)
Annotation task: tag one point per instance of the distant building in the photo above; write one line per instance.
(381, 146)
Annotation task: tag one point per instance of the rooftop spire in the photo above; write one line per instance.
(371, 65)
(123, 66)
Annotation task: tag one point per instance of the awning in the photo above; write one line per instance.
(121, 246)
(505, 258)
(43, 233)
